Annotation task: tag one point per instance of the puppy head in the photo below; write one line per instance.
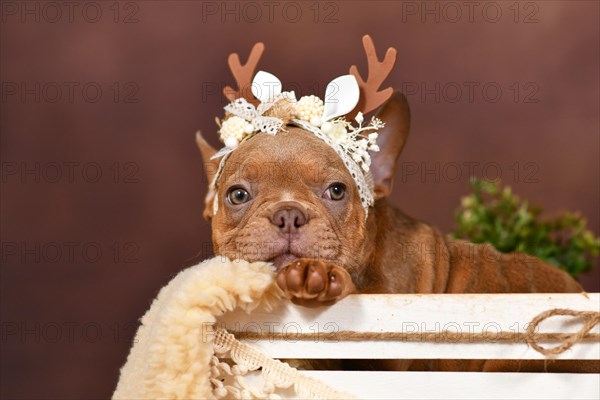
(284, 197)
(290, 195)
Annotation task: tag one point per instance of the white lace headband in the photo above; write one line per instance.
(323, 119)
(273, 109)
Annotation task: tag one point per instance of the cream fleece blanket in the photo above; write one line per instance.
(172, 350)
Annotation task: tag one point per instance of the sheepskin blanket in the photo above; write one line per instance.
(177, 347)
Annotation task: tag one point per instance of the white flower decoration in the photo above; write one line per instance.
(359, 118)
(309, 108)
(338, 133)
(233, 130)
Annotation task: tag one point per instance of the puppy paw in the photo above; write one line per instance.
(313, 283)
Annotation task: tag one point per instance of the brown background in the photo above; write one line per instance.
(67, 320)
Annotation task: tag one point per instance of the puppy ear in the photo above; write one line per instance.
(210, 168)
(395, 113)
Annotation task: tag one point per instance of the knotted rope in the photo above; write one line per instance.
(591, 319)
(530, 336)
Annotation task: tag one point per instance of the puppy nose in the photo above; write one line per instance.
(289, 219)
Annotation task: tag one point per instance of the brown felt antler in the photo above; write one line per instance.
(370, 95)
(243, 74)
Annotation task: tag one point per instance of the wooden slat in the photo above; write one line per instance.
(403, 350)
(461, 385)
(417, 313)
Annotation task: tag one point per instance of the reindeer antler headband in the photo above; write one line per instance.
(260, 105)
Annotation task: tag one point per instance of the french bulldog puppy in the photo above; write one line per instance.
(289, 199)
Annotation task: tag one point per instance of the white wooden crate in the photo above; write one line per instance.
(465, 313)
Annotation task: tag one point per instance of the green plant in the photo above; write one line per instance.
(495, 215)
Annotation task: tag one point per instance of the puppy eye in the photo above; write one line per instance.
(238, 196)
(335, 192)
